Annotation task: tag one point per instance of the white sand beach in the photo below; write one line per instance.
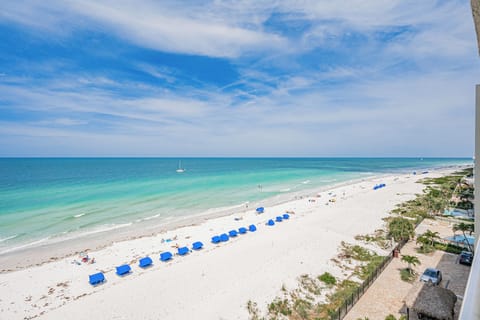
(217, 281)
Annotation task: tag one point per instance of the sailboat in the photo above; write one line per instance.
(180, 169)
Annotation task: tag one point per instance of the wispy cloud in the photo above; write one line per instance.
(228, 78)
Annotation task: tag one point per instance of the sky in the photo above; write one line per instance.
(316, 78)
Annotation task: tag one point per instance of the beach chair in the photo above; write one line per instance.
(165, 256)
(183, 251)
(270, 222)
(232, 233)
(216, 239)
(197, 245)
(224, 237)
(96, 278)
(286, 216)
(123, 270)
(145, 262)
(252, 228)
(242, 230)
(279, 219)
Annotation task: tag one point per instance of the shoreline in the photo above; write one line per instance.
(253, 266)
(96, 240)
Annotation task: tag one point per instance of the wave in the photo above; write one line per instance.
(79, 215)
(30, 244)
(306, 182)
(285, 190)
(8, 238)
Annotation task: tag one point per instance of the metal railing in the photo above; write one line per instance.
(348, 303)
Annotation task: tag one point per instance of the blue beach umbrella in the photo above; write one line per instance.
(216, 239)
(270, 222)
(232, 233)
(286, 216)
(252, 228)
(242, 230)
(278, 219)
(224, 237)
(260, 209)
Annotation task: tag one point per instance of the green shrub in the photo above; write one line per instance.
(328, 279)
(406, 276)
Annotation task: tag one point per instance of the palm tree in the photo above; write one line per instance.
(431, 236)
(464, 227)
(411, 260)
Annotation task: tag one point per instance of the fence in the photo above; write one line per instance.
(342, 311)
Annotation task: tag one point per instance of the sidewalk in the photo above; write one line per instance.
(388, 292)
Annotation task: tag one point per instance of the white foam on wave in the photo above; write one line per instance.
(306, 182)
(79, 215)
(30, 244)
(285, 190)
(8, 238)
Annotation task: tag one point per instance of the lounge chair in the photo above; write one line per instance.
(96, 278)
(165, 256)
(123, 270)
(197, 245)
(183, 251)
(145, 262)
(260, 209)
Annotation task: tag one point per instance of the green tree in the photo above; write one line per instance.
(410, 260)
(400, 229)
(464, 227)
(431, 236)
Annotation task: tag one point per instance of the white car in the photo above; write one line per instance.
(433, 275)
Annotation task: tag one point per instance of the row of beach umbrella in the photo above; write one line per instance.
(146, 262)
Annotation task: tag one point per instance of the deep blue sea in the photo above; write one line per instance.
(48, 198)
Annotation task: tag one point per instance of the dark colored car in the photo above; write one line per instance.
(466, 258)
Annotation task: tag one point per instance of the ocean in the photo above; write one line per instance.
(48, 199)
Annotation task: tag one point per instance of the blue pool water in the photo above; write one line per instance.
(461, 239)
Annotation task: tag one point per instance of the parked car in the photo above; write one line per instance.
(466, 257)
(433, 275)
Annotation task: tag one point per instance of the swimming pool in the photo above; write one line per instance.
(461, 239)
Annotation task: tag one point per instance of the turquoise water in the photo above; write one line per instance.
(462, 239)
(46, 198)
